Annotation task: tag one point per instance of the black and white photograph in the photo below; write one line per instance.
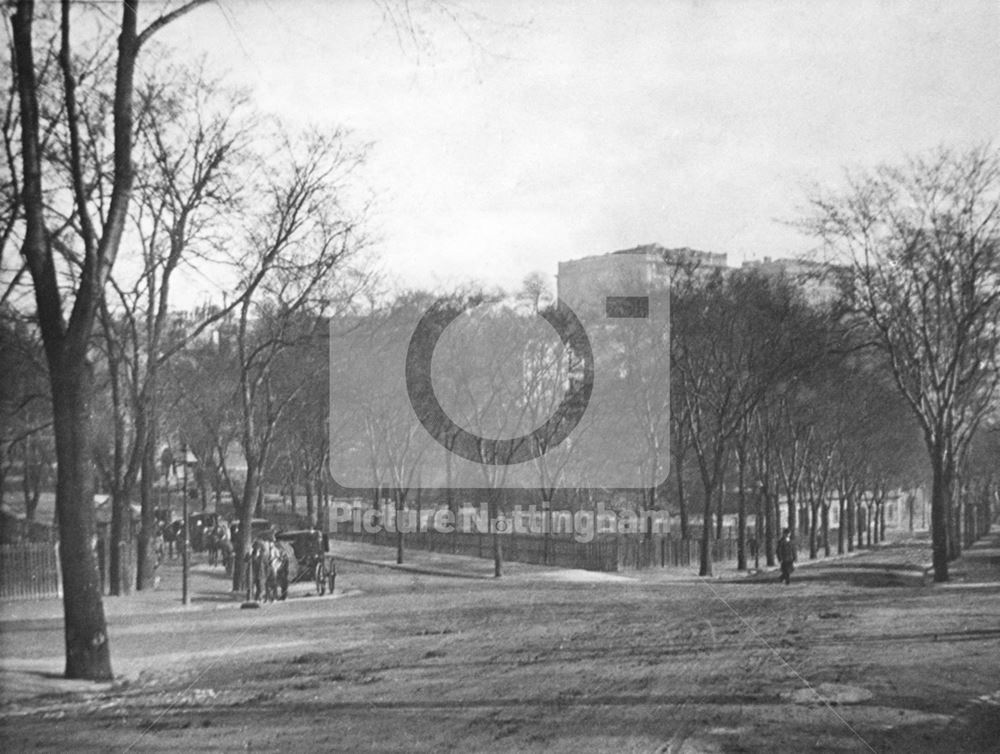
(452, 375)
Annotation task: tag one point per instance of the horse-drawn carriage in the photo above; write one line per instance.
(312, 562)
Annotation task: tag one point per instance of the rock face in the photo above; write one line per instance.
(829, 693)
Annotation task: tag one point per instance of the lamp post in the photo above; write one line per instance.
(185, 596)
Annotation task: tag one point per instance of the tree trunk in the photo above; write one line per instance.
(323, 502)
(449, 493)
(494, 509)
(400, 526)
(117, 568)
(146, 571)
(31, 502)
(121, 527)
(258, 509)
(862, 524)
(546, 525)
(770, 525)
(419, 501)
(88, 654)
(31, 479)
(705, 566)
(682, 502)
(241, 547)
(813, 509)
(955, 529)
(741, 518)
(310, 502)
(851, 521)
(121, 478)
(940, 499)
(719, 517)
(791, 505)
(826, 529)
(841, 524)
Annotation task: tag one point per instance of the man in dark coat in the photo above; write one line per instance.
(786, 556)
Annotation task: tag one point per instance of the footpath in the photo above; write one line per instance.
(908, 559)
(209, 587)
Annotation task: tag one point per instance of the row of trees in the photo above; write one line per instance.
(832, 386)
(774, 401)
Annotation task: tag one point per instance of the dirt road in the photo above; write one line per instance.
(853, 656)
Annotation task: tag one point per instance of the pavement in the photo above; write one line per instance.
(209, 587)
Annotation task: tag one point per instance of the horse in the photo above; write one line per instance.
(172, 534)
(269, 569)
(219, 541)
(285, 558)
(226, 551)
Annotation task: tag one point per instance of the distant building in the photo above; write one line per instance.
(682, 256)
(585, 283)
(817, 280)
(653, 264)
(630, 271)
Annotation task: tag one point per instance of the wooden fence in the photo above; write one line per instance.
(603, 553)
(29, 571)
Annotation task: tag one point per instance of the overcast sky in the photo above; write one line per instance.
(529, 133)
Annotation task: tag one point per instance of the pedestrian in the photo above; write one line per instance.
(786, 556)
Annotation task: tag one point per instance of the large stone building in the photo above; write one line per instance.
(654, 264)
(647, 267)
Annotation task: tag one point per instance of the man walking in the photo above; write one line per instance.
(786, 556)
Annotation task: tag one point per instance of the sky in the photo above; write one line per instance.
(509, 136)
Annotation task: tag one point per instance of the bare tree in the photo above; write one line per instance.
(302, 436)
(201, 385)
(66, 314)
(192, 143)
(296, 272)
(921, 242)
(369, 401)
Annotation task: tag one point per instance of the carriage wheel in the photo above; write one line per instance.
(320, 578)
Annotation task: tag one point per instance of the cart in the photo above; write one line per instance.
(312, 561)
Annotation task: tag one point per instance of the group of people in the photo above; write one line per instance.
(218, 541)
